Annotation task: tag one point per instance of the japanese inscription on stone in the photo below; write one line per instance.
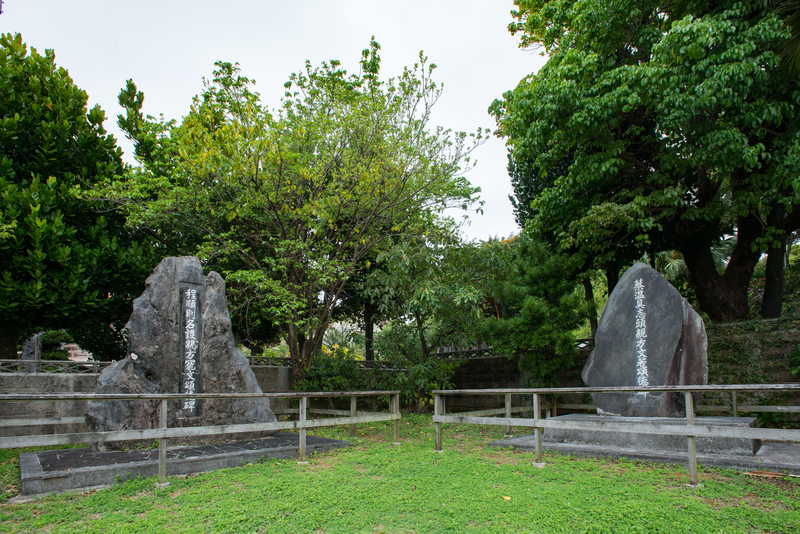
(192, 343)
(641, 334)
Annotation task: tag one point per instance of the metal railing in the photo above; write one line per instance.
(351, 417)
(690, 429)
(51, 366)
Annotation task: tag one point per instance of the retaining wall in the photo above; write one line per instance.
(271, 379)
(44, 383)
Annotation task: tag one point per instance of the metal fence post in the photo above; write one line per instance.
(396, 410)
(353, 413)
(508, 415)
(691, 439)
(301, 450)
(437, 410)
(537, 432)
(735, 403)
(162, 448)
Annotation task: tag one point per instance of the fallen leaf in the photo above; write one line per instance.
(506, 498)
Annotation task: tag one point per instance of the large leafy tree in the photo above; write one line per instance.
(681, 126)
(65, 261)
(290, 205)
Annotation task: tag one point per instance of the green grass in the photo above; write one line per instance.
(377, 487)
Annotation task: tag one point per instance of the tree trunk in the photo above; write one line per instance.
(589, 297)
(296, 344)
(369, 312)
(772, 303)
(9, 332)
(723, 297)
(612, 277)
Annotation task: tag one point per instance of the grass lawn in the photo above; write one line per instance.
(377, 487)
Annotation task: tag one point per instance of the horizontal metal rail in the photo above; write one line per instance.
(172, 396)
(163, 433)
(36, 421)
(51, 366)
(687, 426)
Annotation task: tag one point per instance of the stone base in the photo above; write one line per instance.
(67, 469)
(656, 442)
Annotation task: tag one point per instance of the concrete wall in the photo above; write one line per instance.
(496, 372)
(44, 383)
(273, 379)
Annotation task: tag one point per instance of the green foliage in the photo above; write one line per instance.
(679, 128)
(345, 336)
(290, 205)
(793, 360)
(53, 339)
(437, 286)
(755, 352)
(411, 371)
(541, 310)
(335, 369)
(108, 340)
(64, 260)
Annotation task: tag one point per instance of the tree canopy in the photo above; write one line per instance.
(65, 261)
(680, 126)
(290, 204)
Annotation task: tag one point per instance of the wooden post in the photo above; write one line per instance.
(537, 432)
(162, 448)
(353, 413)
(301, 450)
(735, 403)
(396, 410)
(691, 439)
(508, 414)
(437, 410)
(555, 406)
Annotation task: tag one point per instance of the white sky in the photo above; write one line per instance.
(168, 46)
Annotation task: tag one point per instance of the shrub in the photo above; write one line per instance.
(415, 376)
(335, 369)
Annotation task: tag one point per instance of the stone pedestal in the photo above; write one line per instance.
(656, 442)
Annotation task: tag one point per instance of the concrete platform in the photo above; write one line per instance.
(65, 469)
(656, 442)
(782, 457)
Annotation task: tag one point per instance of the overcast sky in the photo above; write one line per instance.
(168, 46)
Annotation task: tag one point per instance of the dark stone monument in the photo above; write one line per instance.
(32, 351)
(179, 341)
(648, 335)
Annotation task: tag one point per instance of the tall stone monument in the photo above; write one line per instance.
(179, 341)
(648, 335)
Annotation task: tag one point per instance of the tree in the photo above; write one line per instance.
(681, 126)
(541, 309)
(65, 261)
(434, 290)
(289, 205)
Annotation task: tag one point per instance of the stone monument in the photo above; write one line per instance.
(648, 335)
(179, 341)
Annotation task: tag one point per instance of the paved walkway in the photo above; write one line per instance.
(782, 457)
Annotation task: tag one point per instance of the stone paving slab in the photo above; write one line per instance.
(783, 457)
(65, 469)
